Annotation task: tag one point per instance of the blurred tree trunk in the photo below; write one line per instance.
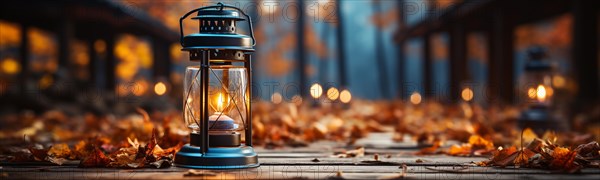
(324, 61)
(380, 52)
(300, 51)
(400, 51)
(340, 46)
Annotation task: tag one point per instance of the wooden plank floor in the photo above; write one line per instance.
(299, 163)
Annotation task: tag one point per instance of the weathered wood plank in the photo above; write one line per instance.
(309, 169)
(310, 172)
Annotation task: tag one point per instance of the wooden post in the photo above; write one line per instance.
(341, 53)
(501, 70)
(92, 65)
(65, 32)
(162, 60)
(585, 51)
(24, 60)
(109, 68)
(65, 36)
(458, 59)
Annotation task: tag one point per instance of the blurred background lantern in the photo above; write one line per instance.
(216, 106)
(536, 91)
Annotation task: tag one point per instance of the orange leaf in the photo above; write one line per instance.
(563, 159)
(477, 142)
(528, 136)
(464, 149)
(60, 151)
(523, 156)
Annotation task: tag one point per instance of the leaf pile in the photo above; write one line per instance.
(545, 154)
(93, 153)
(476, 146)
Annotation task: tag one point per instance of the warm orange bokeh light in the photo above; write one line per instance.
(333, 93)
(345, 96)
(531, 93)
(467, 94)
(160, 88)
(316, 90)
(10, 66)
(415, 98)
(276, 98)
(558, 81)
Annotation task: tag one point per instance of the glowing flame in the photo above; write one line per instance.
(541, 93)
(160, 88)
(345, 96)
(415, 98)
(220, 103)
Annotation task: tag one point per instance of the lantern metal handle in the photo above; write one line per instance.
(220, 6)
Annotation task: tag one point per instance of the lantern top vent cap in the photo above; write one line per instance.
(218, 31)
(216, 14)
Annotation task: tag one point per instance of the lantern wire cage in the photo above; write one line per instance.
(231, 97)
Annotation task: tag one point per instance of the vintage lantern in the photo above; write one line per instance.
(536, 91)
(216, 101)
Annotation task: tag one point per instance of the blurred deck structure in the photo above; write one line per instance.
(498, 19)
(89, 21)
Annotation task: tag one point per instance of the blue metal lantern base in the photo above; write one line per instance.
(539, 119)
(217, 157)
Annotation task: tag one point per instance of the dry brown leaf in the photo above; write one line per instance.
(95, 159)
(500, 155)
(55, 160)
(589, 150)
(38, 152)
(430, 150)
(194, 172)
(523, 157)
(359, 152)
